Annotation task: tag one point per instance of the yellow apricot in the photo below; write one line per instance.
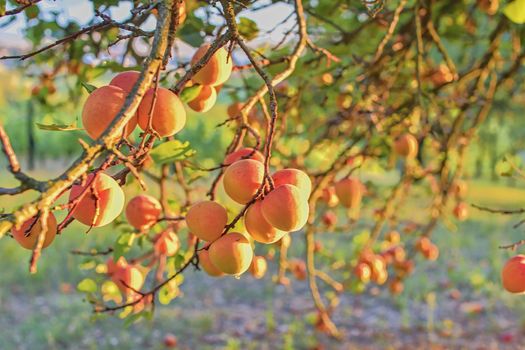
(143, 211)
(125, 80)
(257, 226)
(243, 153)
(216, 71)
(101, 108)
(231, 254)
(205, 100)
(294, 177)
(258, 267)
(168, 116)
(206, 220)
(207, 265)
(102, 201)
(27, 234)
(285, 208)
(350, 192)
(242, 179)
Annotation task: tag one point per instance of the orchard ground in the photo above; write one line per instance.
(454, 302)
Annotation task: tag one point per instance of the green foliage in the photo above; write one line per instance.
(172, 151)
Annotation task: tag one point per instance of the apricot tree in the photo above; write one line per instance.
(347, 88)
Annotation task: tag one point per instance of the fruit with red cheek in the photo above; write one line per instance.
(243, 179)
(125, 80)
(143, 211)
(207, 220)
(350, 192)
(257, 226)
(231, 254)
(205, 100)
(329, 196)
(27, 234)
(294, 177)
(513, 274)
(168, 115)
(461, 211)
(207, 265)
(216, 71)
(286, 208)
(329, 219)
(406, 146)
(167, 243)
(258, 267)
(243, 153)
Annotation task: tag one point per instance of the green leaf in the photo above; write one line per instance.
(247, 28)
(190, 93)
(87, 285)
(57, 127)
(133, 318)
(2, 7)
(515, 11)
(89, 88)
(172, 151)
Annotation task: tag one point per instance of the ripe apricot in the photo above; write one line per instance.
(170, 340)
(350, 192)
(461, 211)
(294, 177)
(168, 116)
(114, 266)
(258, 267)
(329, 197)
(242, 179)
(423, 244)
(406, 146)
(128, 278)
(206, 220)
(216, 71)
(167, 243)
(285, 208)
(231, 254)
(396, 286)
(243, 153)
(27, 234)
(102, 201)
(513, 274)
(393, 237)
(431, 253)
(143, 211)
(207, 265)
(329, 218)
(101, 108)
(257, 226)
(459, 188)
(298, 268)
(205, 100)
(125, 80)
(363, 272)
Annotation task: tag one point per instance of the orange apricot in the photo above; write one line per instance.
(206, 220)
(205, 100)
(125, 80)
(513, 274)
(329, 197)
(143, 211)
(242, 180)
(406, 146)
(258, 267)
(168, 116)
(396, 286)
(231, 254)
(423, 244)
(459, 188)
(101, 108)
(102, 201)
(27, 234)
(257, 226)
(298, 268)
(329, 218)
(170, 340)
(128, 278)
(363, 272)
(350, 192)
(431, 253)
(167, 243)
(393, 237)
(285, 208)
(294, 177)
(461, 211)
(216, 71)
(243, 153)
(207, 265)
(114, 266)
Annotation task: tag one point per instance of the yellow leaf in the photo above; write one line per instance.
(515, 11)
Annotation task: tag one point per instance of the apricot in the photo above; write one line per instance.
(114, 266)
(461, 211)
(490, 7)
(167, 243)
(363, 272)
(396, 287)
(129, 279)
(170, 340)
(350, 192)
(216, 71)
(102, 201)
(206, 220)
(294, 177)
(101, 108)
(285, 208)
(406, 146)
(143, 211)
(329, 218)
(393, 237)
(513, 274)
(431, 253)
(27, 234)
(231, 254)
(125, 80)
(329, 197)
(258, 267)
(207, 265)
(168, 116)
(242, 180)
(257, 226)
(243, 153)
(423, 244)
(205, 100)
